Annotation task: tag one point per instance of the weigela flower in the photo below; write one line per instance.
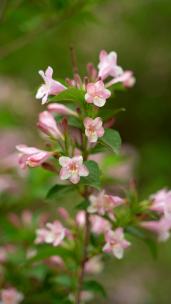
(94, 265)
(161, 202)
(104, 204)
(11, 296)
(97, 93)
(54, 233)
(80, 218)
(31, 157)
(108, 65)
(51, 86)
(126, 78)
(99, 225)
(93, 128)
(115, 243)
(72, 168)
(161, 227)
(61, 109)
(48, 125)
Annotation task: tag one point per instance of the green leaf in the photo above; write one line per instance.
(95, 287)
(46, 251)
(59, 190)
(71, 94)
(83, 205)
(93, 179)
(63, 280)
(112, 140)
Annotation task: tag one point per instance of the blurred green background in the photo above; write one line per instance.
(35, 34)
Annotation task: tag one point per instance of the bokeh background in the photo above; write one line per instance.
(35, 34)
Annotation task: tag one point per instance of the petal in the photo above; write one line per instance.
(99, 102)
(83, 171)
(91, 88)
(75, 178)
(118, 252)
(27, 150)
(88, 98)
(64, 161)
(107, 248)
(49, 72)
(78, 159)
(102, 55)
(92, 138)
(41, 92)
(100, 132)
(64, 173)
(87, 121)
(98, 122)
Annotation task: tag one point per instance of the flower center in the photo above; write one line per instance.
(73, 167)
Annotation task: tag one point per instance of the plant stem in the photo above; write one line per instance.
(83, 262)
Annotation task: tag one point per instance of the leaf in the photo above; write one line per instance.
(63, 280)
(46, 251)
(95, 287)
(112, 140)
(71, 94)
(59, 190)
(93, 179)
(83, 205)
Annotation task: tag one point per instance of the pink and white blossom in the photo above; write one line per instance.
(61, 109)
(108, 65)
(161, 202)
(97, 93)
(161, 227)
(54, 233)
(31, 157)
(116, 243)
(48, 125)
(94, 265)
(126, 78)
(93, 128)
(80, 218)
(11, 296)
(104, 204)
(99, 225)
(50, 87)
(72, 168)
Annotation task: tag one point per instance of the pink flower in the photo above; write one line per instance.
(11, 296)
(126, 78)
(31, 156)
(94, 265)
(80, 218)
(51, 86)
(72, 168)
(3, 254)
(93, 128)
(115, 243)
(161, 228)
(108, 65)
(97, 93)
(48, 125)
(99, 225)
(104, 204)
(63, 213)
(54, 233)
(161, 202)
(61, 109)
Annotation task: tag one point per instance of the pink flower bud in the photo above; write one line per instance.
(48, 125)
(11, 296)
(51, 86)
(31, 157)
(61, 109)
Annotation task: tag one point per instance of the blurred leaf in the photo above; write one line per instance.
(63, 280)
(112, 140)
(83, 205)
(95, 287)
(59, 190)
(46, 251)
(71, 94)
(93, 179)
